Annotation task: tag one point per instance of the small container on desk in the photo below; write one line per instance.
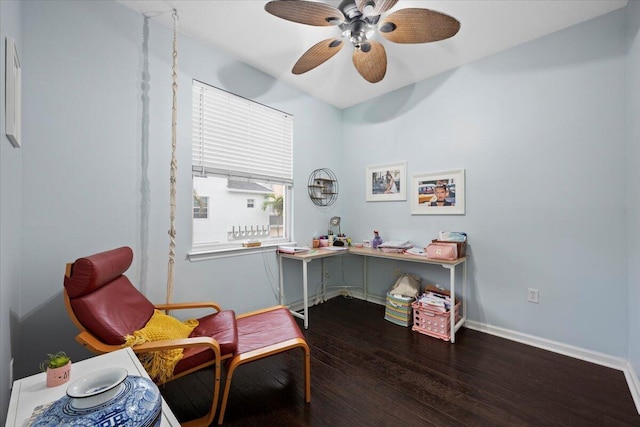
(432, 322)
(462, 246)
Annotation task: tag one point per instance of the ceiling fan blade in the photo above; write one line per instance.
(305, 12)
(371, 61)
(317, 54)
(413, 25)
(383, 5)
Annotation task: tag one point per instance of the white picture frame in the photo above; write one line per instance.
(386, 182)
(426, 189)
(13, 94)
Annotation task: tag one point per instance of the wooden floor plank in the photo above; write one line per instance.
(369, 372)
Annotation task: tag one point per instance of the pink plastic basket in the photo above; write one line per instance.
(433, 323)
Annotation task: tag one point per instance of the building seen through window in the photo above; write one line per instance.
(200, 206)
(232, 221)
(242, 163)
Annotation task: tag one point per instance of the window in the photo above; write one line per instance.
(200, 206)
(241, 158)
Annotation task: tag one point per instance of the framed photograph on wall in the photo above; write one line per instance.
(438, 193)
(387, 182)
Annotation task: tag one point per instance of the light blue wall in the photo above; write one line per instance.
(545, 132)
(97, 96)
(633, 180)
(540, 130)
(10, 210)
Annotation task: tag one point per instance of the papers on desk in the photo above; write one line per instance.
(416, 251)
(396, 246)
(292, 249)
(336, 248)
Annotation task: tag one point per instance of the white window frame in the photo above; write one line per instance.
(274, 161)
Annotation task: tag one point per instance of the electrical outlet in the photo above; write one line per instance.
(326, 273)
(396, 271)
(533, 295)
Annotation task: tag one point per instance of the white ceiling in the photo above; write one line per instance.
(243, 29)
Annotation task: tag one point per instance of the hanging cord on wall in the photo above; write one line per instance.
(174, 163)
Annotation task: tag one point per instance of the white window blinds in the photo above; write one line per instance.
(233, 136)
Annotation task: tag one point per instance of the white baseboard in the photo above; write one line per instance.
(335, 291)
(568, 350)
(554, 346)
(634, 384)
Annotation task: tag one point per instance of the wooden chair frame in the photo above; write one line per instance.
(93, 344)
(251, 356)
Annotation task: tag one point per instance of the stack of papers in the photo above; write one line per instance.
(395, 246)
(292, 249)
(436, 302)
(415, 251)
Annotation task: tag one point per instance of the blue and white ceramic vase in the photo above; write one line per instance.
(106, 398)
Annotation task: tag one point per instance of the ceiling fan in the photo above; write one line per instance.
(360, 21)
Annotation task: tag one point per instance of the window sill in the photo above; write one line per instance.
(203, 254)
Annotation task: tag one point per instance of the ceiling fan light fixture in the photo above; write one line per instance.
(358, 31)
(349, 10)
(370, 31)
(368, 9)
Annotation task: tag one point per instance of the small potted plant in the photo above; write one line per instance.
(58, 368)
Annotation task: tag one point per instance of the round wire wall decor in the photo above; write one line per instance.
(323, 187)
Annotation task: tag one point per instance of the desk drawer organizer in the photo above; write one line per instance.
(432, 322)
(398, 310)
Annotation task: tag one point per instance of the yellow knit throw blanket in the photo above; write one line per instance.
(160, 364)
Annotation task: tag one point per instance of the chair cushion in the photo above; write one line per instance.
(220, 326)
(92, 272)
(265, 329)
(113, 311)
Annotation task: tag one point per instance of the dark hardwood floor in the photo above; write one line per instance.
(369, 372)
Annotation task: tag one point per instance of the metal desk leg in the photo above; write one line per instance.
(304, 294)
(323, 284)
(305, 314)
(465, 299)
(364, 278)
(281, 294)
(452, 311)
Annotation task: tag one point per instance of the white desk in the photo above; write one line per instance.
(366, 253)
(306, 258)
(30, 392)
